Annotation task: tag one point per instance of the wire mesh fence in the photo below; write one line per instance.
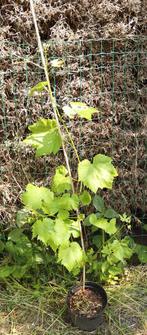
(108, 74)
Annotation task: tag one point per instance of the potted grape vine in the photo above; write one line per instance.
(58, 210)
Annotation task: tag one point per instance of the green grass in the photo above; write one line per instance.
(27, 311)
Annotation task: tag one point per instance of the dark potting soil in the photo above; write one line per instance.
(86, 303)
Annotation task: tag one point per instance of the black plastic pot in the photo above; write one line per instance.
(81, 321)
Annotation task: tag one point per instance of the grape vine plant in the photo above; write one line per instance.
(59, 212)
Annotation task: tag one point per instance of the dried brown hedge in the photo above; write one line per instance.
(112, 82)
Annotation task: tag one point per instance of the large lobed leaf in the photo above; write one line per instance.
(99, 174)
(35, 196)
(42, 229)
(52, 232)
(118, 250)
(45, 137)
(108, 226)
(71, 256)
(41, 198)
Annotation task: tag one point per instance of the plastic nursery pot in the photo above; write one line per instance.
(87, 321)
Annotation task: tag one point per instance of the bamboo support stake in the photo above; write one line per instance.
(56, 113)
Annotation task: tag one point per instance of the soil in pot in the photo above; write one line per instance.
(85, 302)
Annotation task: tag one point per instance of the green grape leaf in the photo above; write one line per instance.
(141, 251)
(119, 249)
(79, 108)
(74, 201)
(42, 229)
(122, 250)
(65, 202)
(52, 233)
(60, 236)
(71, 256)
(35, 90)
(98, 203)
(19, 246)
(116, 270)
(74, 228)
(110, 213)
(6, 271)
(85, 198)
(104, 266)
(61, 182)
(35, 196)
(87, 220)
(99, 174)
(45, 137)
(108, 226)
(63, 214)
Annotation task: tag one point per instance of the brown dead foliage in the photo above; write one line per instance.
(83, 18)
(108, 74)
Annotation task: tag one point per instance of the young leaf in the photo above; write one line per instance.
(35, 196)
(125, 218)
(45, 137)
(108, 226)
(99, 174)
(85, 198)
(38, 88)
(98, 203)
(110, 213)
(141, 251)
(79, 108)
(71, 256)
(122, 250)
(74, 228)
(118, 250)
(61, 182)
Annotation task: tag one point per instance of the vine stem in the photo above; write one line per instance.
(56, 114)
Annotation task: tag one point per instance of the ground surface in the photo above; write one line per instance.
(26, 311)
